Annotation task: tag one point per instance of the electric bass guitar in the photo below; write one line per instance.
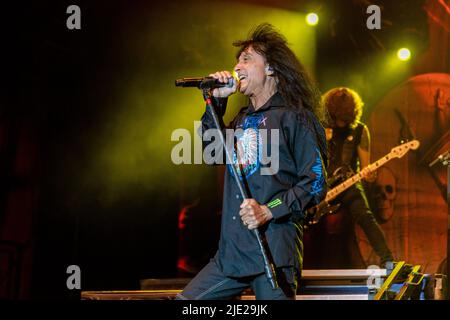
(314, 214)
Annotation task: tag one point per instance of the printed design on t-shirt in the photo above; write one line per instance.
(319, 180)
(247, 151)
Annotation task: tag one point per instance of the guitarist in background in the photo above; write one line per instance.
(349, 149)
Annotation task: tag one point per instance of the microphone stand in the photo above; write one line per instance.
(268, 265)
(445, 160)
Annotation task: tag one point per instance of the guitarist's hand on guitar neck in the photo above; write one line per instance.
(368, 174)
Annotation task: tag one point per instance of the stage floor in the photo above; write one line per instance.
(333, 284)
(170, 295)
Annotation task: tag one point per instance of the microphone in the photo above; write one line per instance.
(204, 83)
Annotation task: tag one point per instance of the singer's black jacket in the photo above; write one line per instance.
(297, 184)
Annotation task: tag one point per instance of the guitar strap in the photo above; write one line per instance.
(349, 155)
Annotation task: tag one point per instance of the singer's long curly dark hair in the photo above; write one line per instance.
(293, 82)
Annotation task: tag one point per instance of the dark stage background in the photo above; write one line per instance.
(86, 117)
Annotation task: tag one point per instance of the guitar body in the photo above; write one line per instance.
(316, 213)
(325, 208)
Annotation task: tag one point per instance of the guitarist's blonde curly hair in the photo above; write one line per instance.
(343, 104)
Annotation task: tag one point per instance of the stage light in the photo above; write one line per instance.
(312, 19)
(404, 54)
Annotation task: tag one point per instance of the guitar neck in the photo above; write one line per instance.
(333, 193)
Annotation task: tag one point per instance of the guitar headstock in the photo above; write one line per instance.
(401, 150)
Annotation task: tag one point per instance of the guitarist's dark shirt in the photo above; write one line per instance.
(343, 148)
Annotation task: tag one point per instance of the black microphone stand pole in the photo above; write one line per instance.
(445, 160)
(268, 266)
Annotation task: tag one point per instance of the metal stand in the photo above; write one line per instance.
(411, 285)
(268, 265)
(396, 274)
(404, 273)
(445, 160)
